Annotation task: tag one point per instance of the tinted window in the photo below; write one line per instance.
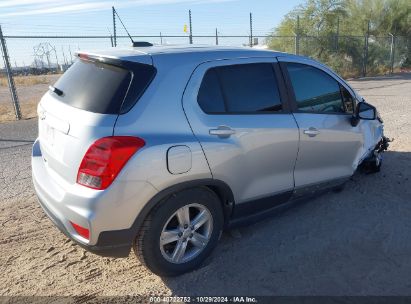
(315, 90)
(210, 97)
(101, 88)
(245, 88)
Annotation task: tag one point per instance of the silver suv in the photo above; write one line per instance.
(161, 148)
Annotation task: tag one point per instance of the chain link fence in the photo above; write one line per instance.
(37, 61)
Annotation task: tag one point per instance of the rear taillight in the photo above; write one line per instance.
(104, 160)
(84, 232)
(83, 56)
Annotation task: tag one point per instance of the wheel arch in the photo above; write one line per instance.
(220, 188)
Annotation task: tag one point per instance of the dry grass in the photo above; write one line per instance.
(30, 89)
(25, 80)
(28, 110)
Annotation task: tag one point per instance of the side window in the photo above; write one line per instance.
(245, 88)
(315, 90)
(210, 97)
(348, 101)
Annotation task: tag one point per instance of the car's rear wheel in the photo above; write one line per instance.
(180, 232)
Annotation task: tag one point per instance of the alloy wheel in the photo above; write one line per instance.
(186, 233)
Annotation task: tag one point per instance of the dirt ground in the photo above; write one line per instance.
(357, 242)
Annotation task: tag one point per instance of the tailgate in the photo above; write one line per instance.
(83, 106)
(66, 133)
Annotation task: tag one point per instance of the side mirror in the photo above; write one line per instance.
(364, 111)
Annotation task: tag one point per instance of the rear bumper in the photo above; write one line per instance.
(109, 244)
(109, 215)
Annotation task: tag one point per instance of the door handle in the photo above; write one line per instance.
(311, 132)
(222, 131)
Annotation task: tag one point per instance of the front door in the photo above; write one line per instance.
(329, 145)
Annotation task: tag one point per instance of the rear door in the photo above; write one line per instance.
(238, 111)
(323, 106)
(83, 107)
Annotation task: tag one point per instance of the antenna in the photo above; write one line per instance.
(114, 10)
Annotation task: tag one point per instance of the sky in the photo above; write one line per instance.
(141, 17)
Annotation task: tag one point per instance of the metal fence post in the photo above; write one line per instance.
(251, 30)
(216, 36)
(297, 44)
(114, 26)
(392, 53)
(297, 37)
(10, 79)
(365, 59)
(337, 36)
(191, 27)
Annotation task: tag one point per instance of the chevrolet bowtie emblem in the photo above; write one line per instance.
(42, 115)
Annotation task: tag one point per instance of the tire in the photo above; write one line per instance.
(166, 217)
(373, 164)
(374, 167)
(339, 188)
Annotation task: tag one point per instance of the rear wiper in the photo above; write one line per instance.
(55, 90)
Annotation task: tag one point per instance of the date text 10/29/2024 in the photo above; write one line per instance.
(172, 299)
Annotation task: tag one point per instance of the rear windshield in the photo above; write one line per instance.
(102, 88)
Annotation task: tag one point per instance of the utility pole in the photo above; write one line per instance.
(10, 79)
(251, 30)
(114, 26)
(191, 27)
(161, 38)
(216, 36)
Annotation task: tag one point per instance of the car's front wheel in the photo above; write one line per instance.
(373, 163)
(180, 232)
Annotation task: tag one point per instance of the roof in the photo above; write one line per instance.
(175, 49)
(201, 51)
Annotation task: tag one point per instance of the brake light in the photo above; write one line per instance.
(83, 56)
(104, 160)
(84, 232)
